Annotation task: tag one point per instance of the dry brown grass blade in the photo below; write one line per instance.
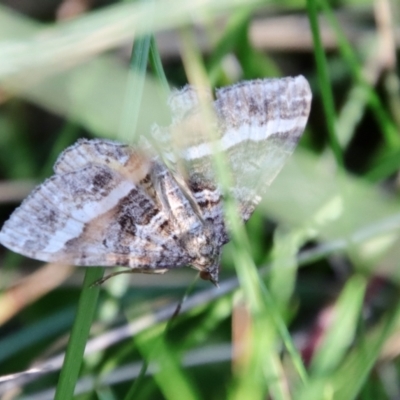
(31, 288)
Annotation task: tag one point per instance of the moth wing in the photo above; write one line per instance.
(129, 161)
(94, 215)
(258, 124)
(261, 123)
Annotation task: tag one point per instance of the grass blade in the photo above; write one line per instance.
(79, 334)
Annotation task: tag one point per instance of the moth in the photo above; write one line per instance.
(112, 204)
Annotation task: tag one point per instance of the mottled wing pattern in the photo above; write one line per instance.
(258, 124)
(129, 161)
(100, 208)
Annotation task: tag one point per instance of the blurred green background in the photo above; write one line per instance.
(314, 313)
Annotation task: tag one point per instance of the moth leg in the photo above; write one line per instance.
(128, 271)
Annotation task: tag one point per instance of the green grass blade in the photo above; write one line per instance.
(282, 277)
(244, 264)
(387, 126)
(341, 334)
(134, 389)
(156, 64)
(134, 91)
(363, 357)
(324, 82)
(235, 28)
(171, 377)
(79, 334)
(281, 328)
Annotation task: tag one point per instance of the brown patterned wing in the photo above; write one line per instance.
(258, 124)
(102, 213)
(261, 123)
(131, 162)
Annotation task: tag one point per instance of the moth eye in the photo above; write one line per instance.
(205, 275)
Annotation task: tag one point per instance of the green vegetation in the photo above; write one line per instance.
(314, 311)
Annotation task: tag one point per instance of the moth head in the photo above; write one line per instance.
(209, 255)
(211, 274)
(205, 252)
